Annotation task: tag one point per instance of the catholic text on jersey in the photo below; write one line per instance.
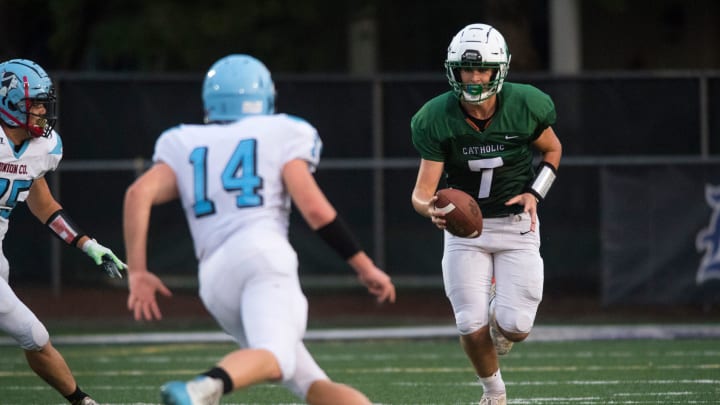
(708, 239)
(480, 150)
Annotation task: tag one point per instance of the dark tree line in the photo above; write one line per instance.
(291, 36)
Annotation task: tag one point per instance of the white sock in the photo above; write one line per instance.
(493, 384)
(205, 388)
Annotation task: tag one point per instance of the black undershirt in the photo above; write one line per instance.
(481, 124)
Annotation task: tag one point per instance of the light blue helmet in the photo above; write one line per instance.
(236, 86)
(23, 83)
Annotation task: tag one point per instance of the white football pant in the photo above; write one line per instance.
(16, 319)
(507, 251)
(250, 285)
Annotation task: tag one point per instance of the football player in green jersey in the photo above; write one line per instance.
(482, 135)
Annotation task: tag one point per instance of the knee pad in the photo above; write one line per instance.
(23, 326)
(519, 320)
(36, 338)
(468, 322)
(307, 372)
(18, 321)
(516, 314)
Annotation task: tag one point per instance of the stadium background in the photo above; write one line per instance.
(637, 114)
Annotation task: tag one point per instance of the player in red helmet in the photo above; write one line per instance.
(29, 148)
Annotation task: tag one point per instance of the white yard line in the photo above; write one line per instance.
(539, 334)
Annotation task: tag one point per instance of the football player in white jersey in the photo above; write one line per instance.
(29, 148)
(236, 177)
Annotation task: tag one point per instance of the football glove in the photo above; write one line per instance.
(104, 257)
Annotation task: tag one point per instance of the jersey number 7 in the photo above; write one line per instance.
(485, 166)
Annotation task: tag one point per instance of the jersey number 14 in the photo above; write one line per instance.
(239, 175)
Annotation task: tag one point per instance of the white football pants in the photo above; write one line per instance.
(16, 319)
(507, 251)
(250, 285)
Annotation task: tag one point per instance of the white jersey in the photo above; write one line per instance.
(18, 170)
(230, 175)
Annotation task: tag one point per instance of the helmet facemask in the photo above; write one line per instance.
(477, 46)
(38, 125)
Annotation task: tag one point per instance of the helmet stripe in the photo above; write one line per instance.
(34, 69)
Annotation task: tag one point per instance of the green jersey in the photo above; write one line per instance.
(494, 164)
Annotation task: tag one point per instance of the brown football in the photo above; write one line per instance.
(462, 212)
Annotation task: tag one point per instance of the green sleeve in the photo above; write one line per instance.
(542, 106)
(426, 144)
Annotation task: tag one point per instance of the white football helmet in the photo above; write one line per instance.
(477, 46)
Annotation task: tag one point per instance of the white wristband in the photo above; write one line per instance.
(543, 181)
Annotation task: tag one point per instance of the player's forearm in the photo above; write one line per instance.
(421, 202)
(361, 262)
(136, 223)
(550, 147)
(423, 194)
(135, 248)
(553, 157)
(40, 201)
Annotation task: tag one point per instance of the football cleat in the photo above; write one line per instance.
(200, 391)
(497, 399)
(85, 401)
(502, 344)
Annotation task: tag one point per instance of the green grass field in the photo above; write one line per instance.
(404, 372)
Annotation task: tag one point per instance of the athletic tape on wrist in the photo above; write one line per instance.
(543, 180)
(64, 228)
(338, 236)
